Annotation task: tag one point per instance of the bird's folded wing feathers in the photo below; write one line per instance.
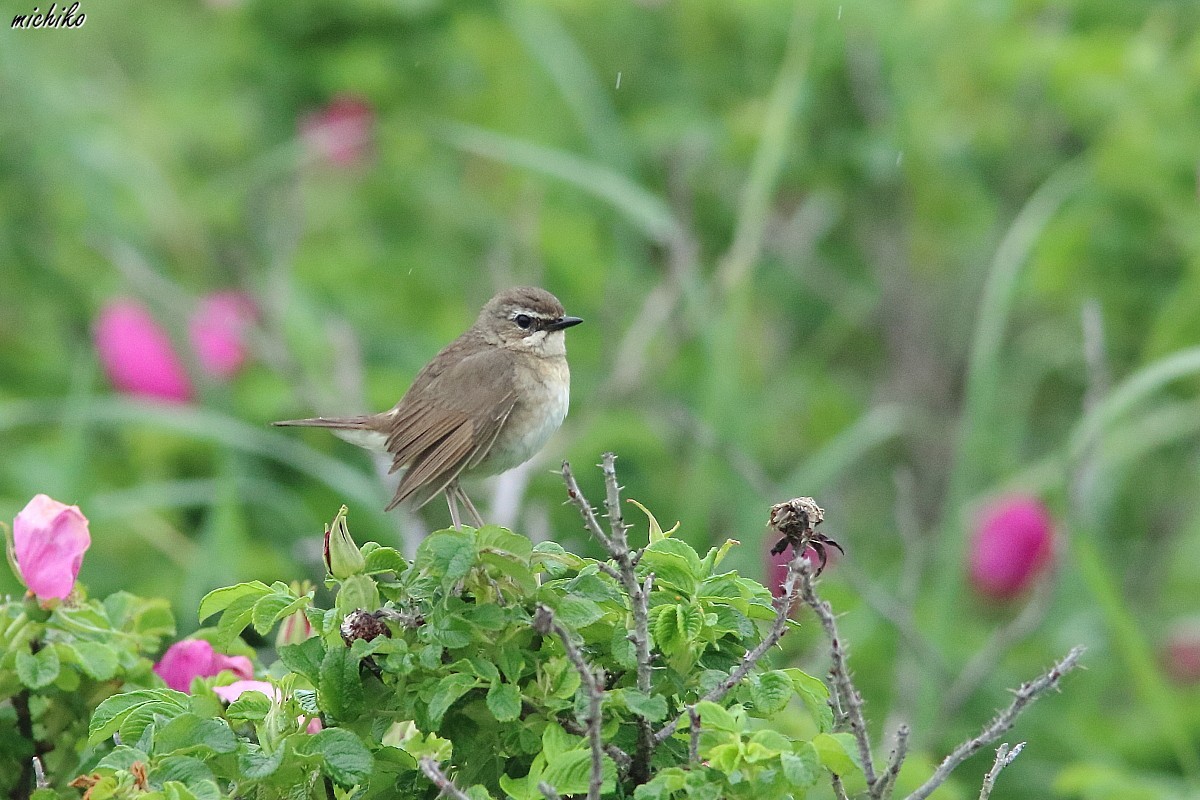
(449, 424)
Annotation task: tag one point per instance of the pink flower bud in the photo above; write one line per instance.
(195, 658)
(1012, 546)
(1181, 652)
(218, 329)
(49, 540)
(340, 132)
(137, 353)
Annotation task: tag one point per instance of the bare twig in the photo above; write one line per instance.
(1004, 757)
(839, 791)
(442, 781)
(783, 607)
(593, 680)
(847, 694)
(622, 759)
(548, 791)
(694, 737)
(1003, 721)
(887, 780)
(617, 545)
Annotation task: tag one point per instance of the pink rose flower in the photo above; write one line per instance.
(1013, 545)
(236, 689)
(218, 329)
(339, 132)
(49, 540)
(195, 658)
(137, 353)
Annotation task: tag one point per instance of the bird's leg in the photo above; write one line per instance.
(452, 504)
(474, 512)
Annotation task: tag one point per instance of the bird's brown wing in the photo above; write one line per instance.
(449, 422)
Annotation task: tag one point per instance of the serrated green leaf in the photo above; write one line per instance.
(234, 620)
(577, 612)
(448, 690)
(221, 599)
(251, 706)
(717, 717)
(36, 670)
(802, 768)
(191, 734)
(274, 607)
(188, 770)
(771, 691)
(304, 658)
(385, 559)
(510, 661)
(623, 651)
(690, 620)
(340, 689)
(112, 712)
(651, 707)
(570, 772)
(96, 659)
(254, 764)
(815, 696)
(358, 592)
(122, 757)
(502, 540)
(838, 753)
(504, 701)
(448, 555)
(346, 759)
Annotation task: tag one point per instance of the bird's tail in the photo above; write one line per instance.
(339, 423)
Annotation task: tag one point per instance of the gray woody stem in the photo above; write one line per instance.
(1004, 757)
(846, 694)
(1004, 720)
(445, 786)
(593, 681)
(617, 544)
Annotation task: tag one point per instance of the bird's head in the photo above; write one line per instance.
(526, 318)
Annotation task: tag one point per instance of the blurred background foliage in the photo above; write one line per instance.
(905, 257)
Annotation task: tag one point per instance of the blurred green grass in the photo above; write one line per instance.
(818, 248)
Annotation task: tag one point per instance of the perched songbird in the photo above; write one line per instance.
(483, 405)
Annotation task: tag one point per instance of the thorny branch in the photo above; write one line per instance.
(1003, 721)
(617, 545)
(593, 680)
(1004, 757)
(442, 781)
(845, 693)
(887, 781)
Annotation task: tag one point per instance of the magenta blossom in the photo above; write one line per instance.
(236, 689)
(777, 566)
(195, 658)
(137, 353)
(49, 540)
(340, 131)
(1013, 545)
(218, 330)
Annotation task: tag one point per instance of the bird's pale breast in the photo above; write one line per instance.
(544, 390)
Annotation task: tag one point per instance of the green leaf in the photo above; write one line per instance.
(838, 753)
(110, 714)
(502, 540)
(803, 767)
(254, 764)
(577, 612)
(274, 607)
(185, 769)
(554, 559)
(504, 701)
(570, 773)
(340, 689)
(448, 690)
(510, 661)
(717, 717)
(346, 759)
(447, 554)
(623, 651)
(384, 559)
(690, 620)
(251, 706)
(190, 733)
(304, 658)
(97, 660)
(123, 757)
(651, 707)
(771, 691)
(815, 695)
(39, 669)
(221, 599)
(358, 592)
(234, 620)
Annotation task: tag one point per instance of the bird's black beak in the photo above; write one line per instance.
(562, 323)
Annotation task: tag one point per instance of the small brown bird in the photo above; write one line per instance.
(485, 404)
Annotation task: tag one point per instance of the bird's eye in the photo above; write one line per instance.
(523, 321)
